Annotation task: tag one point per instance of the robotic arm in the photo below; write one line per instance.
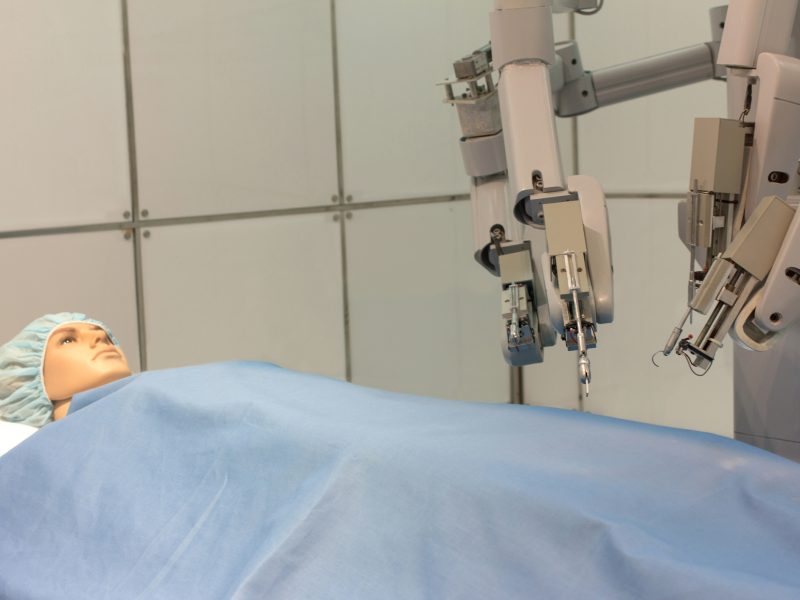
(556, 274)
(510, 150)
(740, 220)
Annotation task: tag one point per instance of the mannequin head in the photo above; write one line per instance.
(79, 357)
(53, 358)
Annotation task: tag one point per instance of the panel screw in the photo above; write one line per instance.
(128, 235)
(336, 217)
(334, 198)
(349, 198)
(348, 215)
(126, 214)
(145, 213)
(146, 234)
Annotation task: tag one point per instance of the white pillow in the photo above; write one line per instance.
(12, 434)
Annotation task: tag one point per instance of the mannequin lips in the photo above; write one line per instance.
(106, 351)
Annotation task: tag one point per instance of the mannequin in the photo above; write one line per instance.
(79, 357)
(53, 358)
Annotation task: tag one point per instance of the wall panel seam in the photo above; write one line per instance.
(134, 187)
(355, 206)
(337, 118)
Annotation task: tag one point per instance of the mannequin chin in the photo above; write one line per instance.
(79, 357)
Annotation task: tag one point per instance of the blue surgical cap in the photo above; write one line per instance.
(23, 398)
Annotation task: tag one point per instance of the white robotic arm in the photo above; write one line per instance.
(510, 148)
(500, 243)
(740, 220)
(524, 53)
(556, 275)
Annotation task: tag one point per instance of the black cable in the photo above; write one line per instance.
(691, 368)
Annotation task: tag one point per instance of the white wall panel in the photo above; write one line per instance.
(233, 104)
(553, 382)
(650, 274)
(261, 289)
(90, 273)
(63, 132)
(644, 145)
(424, 316)
(399, 139)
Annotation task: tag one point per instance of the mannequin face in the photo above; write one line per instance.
(79, 357)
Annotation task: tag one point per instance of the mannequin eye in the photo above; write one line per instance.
(67, 340)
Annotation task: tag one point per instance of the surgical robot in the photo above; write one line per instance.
(739, 220)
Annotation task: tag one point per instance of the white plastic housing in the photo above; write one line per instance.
(780, 301)
(776, 141)
(598, 253)
(529, 129)
(756, 26)
(598, 243)
(522, 33)
(490, 207)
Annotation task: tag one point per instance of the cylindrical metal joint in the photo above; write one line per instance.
(654, 74)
